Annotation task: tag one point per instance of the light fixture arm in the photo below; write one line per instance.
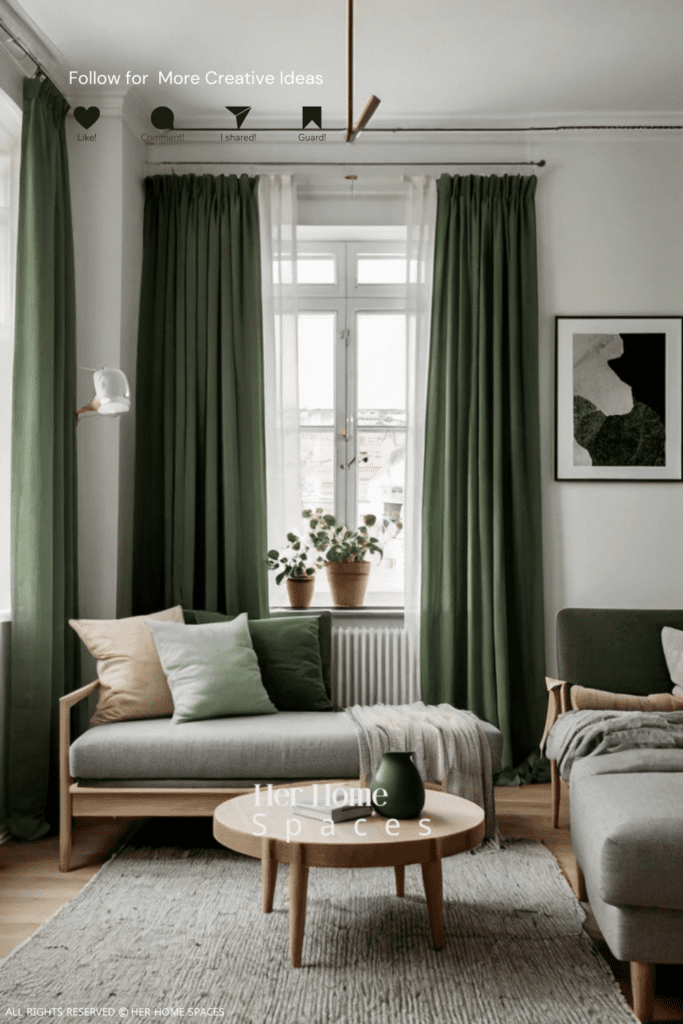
(352, 130)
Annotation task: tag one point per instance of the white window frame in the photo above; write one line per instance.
(346, 299)
(10, 145)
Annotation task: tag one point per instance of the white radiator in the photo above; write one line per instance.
(372, 666)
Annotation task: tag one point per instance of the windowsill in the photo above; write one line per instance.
(369, 612)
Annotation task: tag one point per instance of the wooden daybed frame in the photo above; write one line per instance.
(77, 801)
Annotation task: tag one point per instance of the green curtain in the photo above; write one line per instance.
(482, 586)
(200, 465)
(44, 651)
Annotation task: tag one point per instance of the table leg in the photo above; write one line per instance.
(298, 886)
(268, 874)
(400, 872)
(433, 886)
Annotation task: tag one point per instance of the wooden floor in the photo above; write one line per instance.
(32, 888)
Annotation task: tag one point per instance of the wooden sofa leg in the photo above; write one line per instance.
(65, 797)
(555, 793)
(643, 988)
(65, 828)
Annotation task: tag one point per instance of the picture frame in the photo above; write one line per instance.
(619, 398)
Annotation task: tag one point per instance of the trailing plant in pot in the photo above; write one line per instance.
(345, 554)
(297, 568)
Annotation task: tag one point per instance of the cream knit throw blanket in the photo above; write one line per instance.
(449, 748)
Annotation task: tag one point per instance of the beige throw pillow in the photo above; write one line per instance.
(132, 681)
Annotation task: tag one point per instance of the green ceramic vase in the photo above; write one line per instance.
(405, 790)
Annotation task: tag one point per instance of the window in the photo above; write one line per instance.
(352, 393)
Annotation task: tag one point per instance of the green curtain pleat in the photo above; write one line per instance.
(200, 466)
(44, 651)
(482, 585)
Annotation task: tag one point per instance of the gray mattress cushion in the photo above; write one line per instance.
(627, 832)
(289, 745)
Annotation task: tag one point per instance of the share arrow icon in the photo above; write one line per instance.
(240, 114)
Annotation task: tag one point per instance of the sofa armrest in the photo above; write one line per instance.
(65, 780)
(558, 703)
(77, 695)
(65, 705)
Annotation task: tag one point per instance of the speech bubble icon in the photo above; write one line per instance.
(87, 117)
(162, 118)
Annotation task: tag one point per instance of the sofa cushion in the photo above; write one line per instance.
(132, 681)
(672, 644)
(288, 652)
(627, 830)
(212, 670)
(287, 745)
(616, 649)
(584, 699)
(293, 652)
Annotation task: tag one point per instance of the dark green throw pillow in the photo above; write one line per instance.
(289, 656)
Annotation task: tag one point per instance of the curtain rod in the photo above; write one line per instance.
(541, 128)
(40, 71)
(347, 163)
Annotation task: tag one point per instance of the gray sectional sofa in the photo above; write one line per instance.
(626, 808)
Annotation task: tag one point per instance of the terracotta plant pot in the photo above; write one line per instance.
(348, 582)
(300, 590)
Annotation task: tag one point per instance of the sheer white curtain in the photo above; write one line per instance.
(420, 259)
(277, 214)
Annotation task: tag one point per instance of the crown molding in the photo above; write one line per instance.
(50, 58)
(136, 111)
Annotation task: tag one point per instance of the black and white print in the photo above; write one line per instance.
(618, 398)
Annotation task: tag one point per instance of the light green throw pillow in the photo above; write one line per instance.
(212, 670)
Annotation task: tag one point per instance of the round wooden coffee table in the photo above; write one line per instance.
(454, 825)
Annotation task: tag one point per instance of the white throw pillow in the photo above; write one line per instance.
(672, 642)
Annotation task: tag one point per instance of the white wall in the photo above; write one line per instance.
(610, 230)
(132, 219)
(107, 216)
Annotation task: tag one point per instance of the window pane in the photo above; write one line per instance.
(316, 448)
(317, 270)
(381, 369)
(380, 270)
(381, 480)
(316, 369)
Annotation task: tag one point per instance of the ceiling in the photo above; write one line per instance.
(437, 61)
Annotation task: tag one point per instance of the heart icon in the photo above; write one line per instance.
(86, 117)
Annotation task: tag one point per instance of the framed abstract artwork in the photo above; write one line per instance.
(618, 398)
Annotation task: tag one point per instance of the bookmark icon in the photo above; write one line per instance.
(314, 114)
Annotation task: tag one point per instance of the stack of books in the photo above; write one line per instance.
(323, 808)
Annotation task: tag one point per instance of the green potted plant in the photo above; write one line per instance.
(345, 554)
(297, 569)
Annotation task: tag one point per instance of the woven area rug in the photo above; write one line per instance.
(168, 934)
